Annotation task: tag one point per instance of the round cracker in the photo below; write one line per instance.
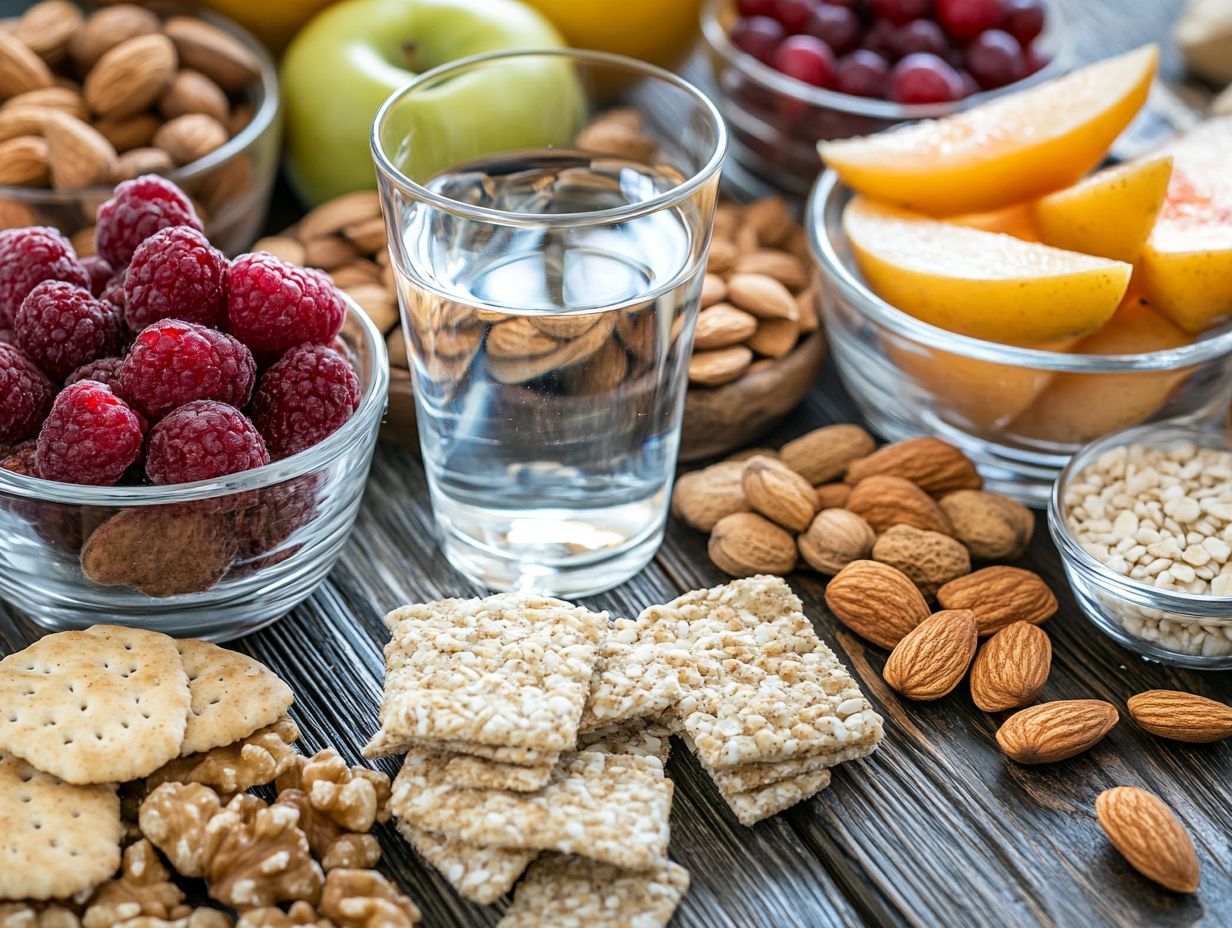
(233, 695)
(103, 705)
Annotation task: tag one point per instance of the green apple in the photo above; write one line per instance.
(352, 56)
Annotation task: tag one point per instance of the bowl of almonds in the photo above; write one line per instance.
(91, 96)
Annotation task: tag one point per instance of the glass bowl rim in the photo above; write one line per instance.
(823, 203)
(664, 200)
(1195, 606)
(352, 433)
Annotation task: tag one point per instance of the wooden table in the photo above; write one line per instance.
(936, 828)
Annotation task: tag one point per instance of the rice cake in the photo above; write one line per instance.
(751, 807)
(481, 874)
(232, 695)
(465, 770)
(645, 739)
(523, 757)
(748, 777)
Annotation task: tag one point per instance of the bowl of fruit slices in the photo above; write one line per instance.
(184, 441)
(792, 73)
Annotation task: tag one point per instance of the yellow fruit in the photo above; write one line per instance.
(978, 283)
(1015, 148)
(271, 21)
(1110, 213)
(662, 33)
(1017, 220)
(1187, 261)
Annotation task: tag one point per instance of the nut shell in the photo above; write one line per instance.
(992, 526)
(935, 466)
(886, 501)
(745, 544)
(1000, 596)
(1011, 668)
(779, 493)
(1055, 731)
(930, 559)
(1150, 837)
(876, 601)
(933, 657)
(835, 538)
(703, 497)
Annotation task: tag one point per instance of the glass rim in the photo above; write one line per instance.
(664, 200)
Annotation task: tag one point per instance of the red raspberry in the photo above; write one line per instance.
(273, 306)
(173, 362)
(8, 336)
(139, 208)
(25, 395)
(91, 436)
(27, 258)
(100, 273)
(175, 274)
(113, 290)
(61, 327)
(303, 398)
(103, 370)
(203, 440)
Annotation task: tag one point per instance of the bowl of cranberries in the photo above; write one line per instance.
(792, 73)
(184, 438)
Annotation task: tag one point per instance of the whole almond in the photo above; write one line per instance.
(876, 601)
(703, 497)
(22, 120)
(832, 495)
(834, 539)
(930, 559)
(806, 303)
(218, 55)
(192, 92)
(824, 454)
(714, 290)
(130, 76)
(1000, 596)
(138, 161)
(762, 295)
(1055, 731)
(787, 269)
(775, 338)
(721, 326)
(608, 137)
(715, 368)
(770, 220)
(48, 27)
(721, 256)
(933, 657)
(64, 99)
(21, 70)
(107, 28)
(779, 493)
(745, 544)
(992, 526)
(1149, 836)
(78, 154)
(1011, 668)
(336, 214)
(1181, 716)
(885, 502)
(128, 132)
(187, 138)
(933, 465)
(23, 162)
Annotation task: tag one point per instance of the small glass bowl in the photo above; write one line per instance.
(776, 121)
(230, 186)
(1187, 629)
(1019, 413)
(214, 559)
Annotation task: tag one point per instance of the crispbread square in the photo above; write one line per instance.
(232, 695)
(633, 679)
(256, 760)
(523, 757)
(748, 777)
(477, 773)
(481, 874)
(646, 739)
(505, 671)
(609, 807)
(103, 705)
(573, 892)
(751, 807)
(55, 839)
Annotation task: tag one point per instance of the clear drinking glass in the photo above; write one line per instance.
(549, 270)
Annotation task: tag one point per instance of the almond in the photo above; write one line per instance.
(22, 120)
(1011, 668)
(1055, 731)
(107, 28)
(517, 338)
(876, 601)
(219, 56)
(933, 465)
(721, 256)
(933, 657)
(721, 326)
(806, 303)
(824, 454)
(715, 368)
(930, 559)
(1000, 596)
(834, 539)
(369, 236)
(993, 527)
(328, 252)
(190, 137)
(138, 161)
(192, 92)
(833, 495)
(714, 290)
(885, 502)
(763, 296)
(1181, 716)
(779, 493)
(128, 132)
(745, 544)
(64, 99)
(610, 137)
(130, 76)
(775, 338)
(787, 269)
(770, 220)
(48, 27)
(1149, 836)
(23, 162)
(703, 497)
(335, 215)
(78, 154)
(20, 69)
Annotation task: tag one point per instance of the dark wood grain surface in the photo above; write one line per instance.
(935, 829)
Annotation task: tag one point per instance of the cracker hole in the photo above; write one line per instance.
(84, 706)
(124, 724)
(26, 798)
(145, 715)
(128, 647)
(98, 736)
(215, 701)
(68, 740)
(76, 814)
(29, 666)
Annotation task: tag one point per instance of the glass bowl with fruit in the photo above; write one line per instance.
(792, 73)
(159, 471)
(1046, 307)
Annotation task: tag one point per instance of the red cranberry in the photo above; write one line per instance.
(994, 59)
(793, 14)
(837, 26)
(920, 35)
(965, 19)
(755, 7)
(1035, 60)
(901, 12)
(1024, 20)
(880, 38)
(758, 36)
(924, 78)
(863, 74)
(806, 58)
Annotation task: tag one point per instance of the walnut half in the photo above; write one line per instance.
(256, 855)
(174, 817)
(334, 846)
(143, 888)
(252, 761)
(355, 798)
(36, 915)
(300, 915)
(365, 899)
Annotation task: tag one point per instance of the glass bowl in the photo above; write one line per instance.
(776, 121)
(1019, 413)
(1188, 629)
(230, 186)
(214, 559)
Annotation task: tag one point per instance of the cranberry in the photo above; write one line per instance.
(880, 38)
(901, 12)
(920, 35)
(965, 19)
(793, 14)
(837, 26)
(755, 7)
(994, 59)
(924, 78)
(1024, 20)
(1035, 61)
(863, 74)
(758, 36)
(806, 58)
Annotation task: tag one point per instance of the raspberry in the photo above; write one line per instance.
(273, 306)
(172, 363)
(61, 327)
(25, 395)
(303, 398)
(113, 290)
(100, 273)
(91, 436)
(175, 274)
(103, 370)
(139, 208)
(27, 258)
(203, 440)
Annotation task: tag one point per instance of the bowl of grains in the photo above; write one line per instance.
(1143, 521)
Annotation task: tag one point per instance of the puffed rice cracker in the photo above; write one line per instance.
(523, 757)
(751, 807)
(646, 739)
(748, 777)
(478, 773)
(232, 695)
(633, 678)
(481, 874)
(573, 892)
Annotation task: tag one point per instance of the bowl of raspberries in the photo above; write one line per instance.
(792, 73)
(184, 438)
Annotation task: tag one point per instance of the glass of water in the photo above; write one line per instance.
(549, 215)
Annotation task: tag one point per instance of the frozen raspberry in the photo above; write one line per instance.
(173, 362)
(103, 370)
(61, 327)
(273, 306)
(27, 258)
(175, 274)
(25, 395)
(113, 290)
(100, 273)
(203, 440)
(8, 336)
(139, 208)
(91, 436)
(303, 398)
